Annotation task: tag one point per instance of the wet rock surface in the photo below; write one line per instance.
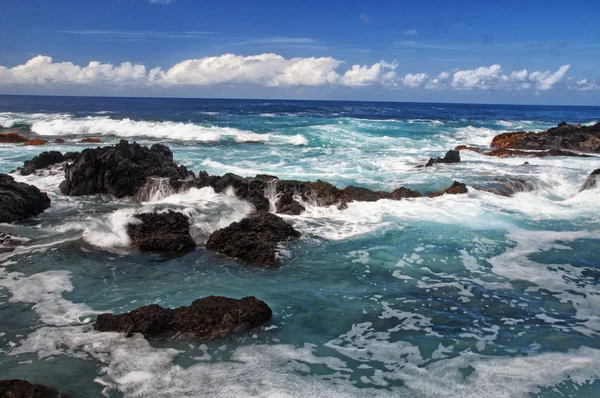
(19, 201)
(119, 170)
(514, 153)
(12, 138)
(565, 136)
(456, 188)
(43, 160)
(254, 239)
(592, 181)
(205, 318)
(169, 231)
(452, 156)
(23, 389)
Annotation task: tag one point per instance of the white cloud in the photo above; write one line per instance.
(161, 1)
(273, 70)
(410, 32)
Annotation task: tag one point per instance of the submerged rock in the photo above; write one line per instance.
(565, 136)
(23, 389)
(516, 153)
(119, 170)
(12, 138)
(35, 142)
(507, 186)
(19, 201)
(455, 189)
(6, 241)
(253, 239)
(452, 156)
(168, 231)
(592, 181)
(206, 318)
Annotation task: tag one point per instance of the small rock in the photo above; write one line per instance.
(59, 141)
(35, 142)
(23, 389)
(451, 156)
(12, 138)
(168, 231)
(455, 189)
(592, 181)
(91, 140)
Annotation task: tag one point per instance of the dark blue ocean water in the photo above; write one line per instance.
(470, 295)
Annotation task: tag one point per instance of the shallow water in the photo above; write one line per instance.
(469, 295)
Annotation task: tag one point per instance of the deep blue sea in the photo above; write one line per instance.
(474, 295)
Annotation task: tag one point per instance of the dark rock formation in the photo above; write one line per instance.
(168, 231)
(287, 205)
(592, 181)
(564, 136)
(91, 140)
(119, 170)
(12, 138)
(455, 189)
(451, 156)
(6, 241)
(23, 389)
(404, 193)
(35, 142)
(206, 318)
(507, 186)
(19, 201)
(467, 148)
(41, 161)
(59, 141)
(515, 153)
(253, 239)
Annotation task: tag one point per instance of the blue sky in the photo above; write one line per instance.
(475, 51)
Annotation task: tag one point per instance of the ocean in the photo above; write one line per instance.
(474, 295)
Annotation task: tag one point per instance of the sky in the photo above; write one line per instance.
(525, 52)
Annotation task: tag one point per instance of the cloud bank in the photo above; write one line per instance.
(273, 70)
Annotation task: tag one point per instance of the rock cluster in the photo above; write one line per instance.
(205, 318)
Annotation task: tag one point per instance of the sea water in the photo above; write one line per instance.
(474, 295)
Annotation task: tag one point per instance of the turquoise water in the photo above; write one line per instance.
(470, 295)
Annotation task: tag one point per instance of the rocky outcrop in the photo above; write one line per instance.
(206, 318)
(467, 148)
(451, 156)
(35, 142)
(565, 136)
(119, 170)
(592, 181)
(455, 189)
(12, 138)
(516, 153)
(23, 389)
(41, 161)
(254, 239)
(19, 201)
(168, 231)
(91, 140)
(507, 186)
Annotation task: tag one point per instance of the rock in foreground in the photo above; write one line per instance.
(253, 239)
(564, 136)
(168, 231)
(23, 389)
(19, 201)
(206, 318)
(119, 170)
(592, 181)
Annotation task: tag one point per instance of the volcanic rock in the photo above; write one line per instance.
(41, 161)
(206, 318)
(59, 141)
(514, 153)
(91, 140)
(12, 138)
(455, 189)
(452, 156)
(253, 239)
(168, 231)
(592, 181)
(19, 201)
(119, 170)
(23, 389)
(467, 148)
(35, 142)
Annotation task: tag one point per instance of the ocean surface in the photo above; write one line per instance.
(474, 295)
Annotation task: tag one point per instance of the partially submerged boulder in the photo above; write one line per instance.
(19, 201)
(254, 239)
(206, 318)
(12, 138)
(36, 142)
(169, 231)
(507, 186)
(23, 389)
(455, 189)
(42, 161)
(592, 181)
(565, 136)
(91, 140)
(119, 170)
(452, 156)
(467, 148)
(516, 153)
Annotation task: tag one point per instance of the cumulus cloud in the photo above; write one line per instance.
(273, 70)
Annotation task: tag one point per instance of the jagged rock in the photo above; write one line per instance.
(253, 239)
(455, 189)
(19, 201)
(119, 170)
(592, 181)
(564, 136)
(451, 156)
(168, 231)
(404, 193)
(206, 318)
(12, 138)
(41, 161)
(23, 389)
(287, 205)
(507, 186)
